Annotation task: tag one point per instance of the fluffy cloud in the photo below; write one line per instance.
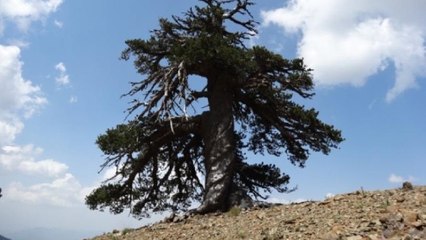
(399, 179)
(63, 79)
(17, 94)
(62, 188)
(62, 192)
(22, 159)
(18, 97)
(23, 12)
(285, 201)
(329, 195)
(9, 129)
(346, 42)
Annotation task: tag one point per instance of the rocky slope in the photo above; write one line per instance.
(390, 214)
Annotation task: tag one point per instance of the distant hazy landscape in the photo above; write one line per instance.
(3, 238)
(48, 234)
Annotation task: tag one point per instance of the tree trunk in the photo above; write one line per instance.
(218, 135)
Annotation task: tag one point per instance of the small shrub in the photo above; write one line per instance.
(234, 211)
(242, 234)
(127, 230)
(272, 234)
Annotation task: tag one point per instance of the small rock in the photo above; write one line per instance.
(398, 217)
(388, 233)
(410, 217)
(338, 198)
(170, 218)
(178, 219)
(261, 215)
(375, 223)
(330, 236)
(375, 237)
(355, 238)
(417, 224)
(290, 221)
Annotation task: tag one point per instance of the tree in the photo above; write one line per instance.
(162, 154)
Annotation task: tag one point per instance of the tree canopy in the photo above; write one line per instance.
(174, 150)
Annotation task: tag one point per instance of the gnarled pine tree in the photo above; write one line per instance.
(163, 154)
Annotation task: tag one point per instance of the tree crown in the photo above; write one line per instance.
(161, 154)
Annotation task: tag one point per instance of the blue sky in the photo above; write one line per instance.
(61, 81)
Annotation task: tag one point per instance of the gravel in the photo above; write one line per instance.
(361, 215)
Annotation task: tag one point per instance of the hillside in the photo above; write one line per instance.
(3, 238)
(49, 234)
(374, 215)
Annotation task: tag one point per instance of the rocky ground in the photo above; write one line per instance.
(390, 214)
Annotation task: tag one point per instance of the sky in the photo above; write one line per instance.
(61, 81)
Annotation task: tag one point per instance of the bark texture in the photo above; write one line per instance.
(218, 135)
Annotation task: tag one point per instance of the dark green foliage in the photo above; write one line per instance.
(165, 177)
(160, 155)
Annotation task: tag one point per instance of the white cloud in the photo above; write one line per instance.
(17, 94)
(108, 173)
(285, 201)
(61, 67)
(22, 159)
(48, 166)
(19, 98)
(399, 179)
(330, 195)
(395, 179)
(63, 79)
(9, 129)
(62, 188)
(24, 12)
(58, 23)
(278, 200)
(63, 192)
(18, 43)
(73, 99)
(346, 42)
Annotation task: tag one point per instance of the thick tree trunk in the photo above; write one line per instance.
(218, 134)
